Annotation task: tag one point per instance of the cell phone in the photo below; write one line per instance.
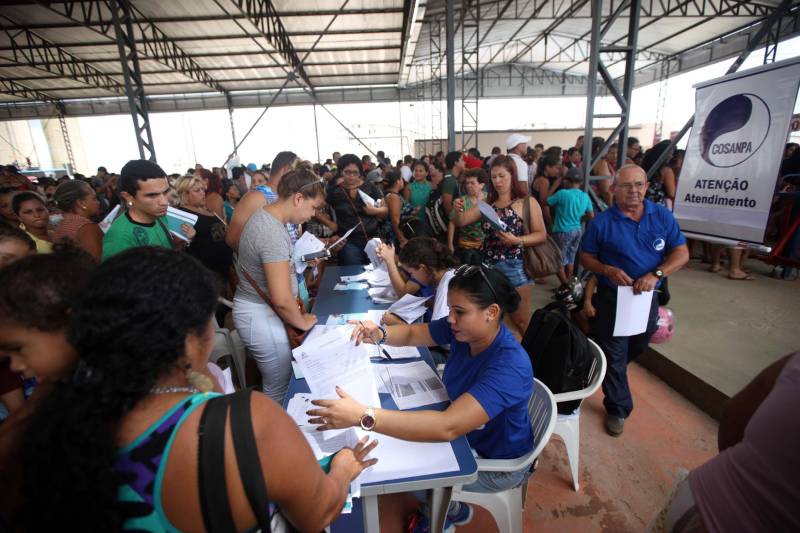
(322, 254)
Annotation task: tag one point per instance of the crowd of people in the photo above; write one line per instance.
(116, 370)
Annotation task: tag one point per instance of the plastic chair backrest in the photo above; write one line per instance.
(224, 351)
(543, 414)
(596, 375)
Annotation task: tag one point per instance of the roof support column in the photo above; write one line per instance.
(134, 88)
(471, 73)
(435, 34)
(62, 122)
(451, 77)
(229, 101)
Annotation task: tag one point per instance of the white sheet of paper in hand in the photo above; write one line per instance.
(306, 244)
(490, 214)
(409, 307)
(332, 359)
(297, 407)
(371, 250)
(366, 198)
(110, 218)
(346, 235)
(633, 310)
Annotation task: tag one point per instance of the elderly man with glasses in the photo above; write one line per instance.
(634, 243)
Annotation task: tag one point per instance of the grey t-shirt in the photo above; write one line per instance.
(264, 240)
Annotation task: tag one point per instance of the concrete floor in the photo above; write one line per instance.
(625, 481)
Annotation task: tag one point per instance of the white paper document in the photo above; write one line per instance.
(306, 244)
(351, 286)
(297, 407)
(333, 359)
(371, 249)
(412, 384)
(110, 218)
(399, 459)
(373, 315)
(346, 235)
(382, 295)
(366, 198)
(227, 383)
(490, 214)
(395, 352)
(633, 310)
(409, 307)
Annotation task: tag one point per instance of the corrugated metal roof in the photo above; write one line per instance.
(364, 45)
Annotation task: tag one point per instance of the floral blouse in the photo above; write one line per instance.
(494, 249)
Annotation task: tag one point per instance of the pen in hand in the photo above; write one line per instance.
(383, 350)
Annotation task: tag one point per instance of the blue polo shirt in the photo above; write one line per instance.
(635, 247)
(501, 379)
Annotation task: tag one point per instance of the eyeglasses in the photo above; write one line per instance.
(468, 271)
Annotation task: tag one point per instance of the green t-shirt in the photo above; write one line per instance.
(124, 233)
(450, 186)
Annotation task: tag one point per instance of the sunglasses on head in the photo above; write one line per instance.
(469, 271)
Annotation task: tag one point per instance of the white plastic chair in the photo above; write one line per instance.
(225, 346)
(506, 507)
(568, 427)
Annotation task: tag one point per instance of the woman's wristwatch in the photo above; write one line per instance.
(367, 420)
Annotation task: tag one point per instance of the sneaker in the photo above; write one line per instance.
(614, 425)
(462, 517)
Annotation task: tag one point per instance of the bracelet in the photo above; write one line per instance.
(382, 329)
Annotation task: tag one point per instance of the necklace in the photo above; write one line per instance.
(169, 390)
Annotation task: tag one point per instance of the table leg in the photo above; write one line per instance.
(438, 502)
(370, 511)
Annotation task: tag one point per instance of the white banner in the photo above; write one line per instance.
(731, 166)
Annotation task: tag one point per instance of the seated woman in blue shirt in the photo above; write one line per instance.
(488, 376)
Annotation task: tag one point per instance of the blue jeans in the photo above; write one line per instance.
(619, 351)
(514, 270)
(353, 254)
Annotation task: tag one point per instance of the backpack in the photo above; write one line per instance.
(435, 214)
(560, 353)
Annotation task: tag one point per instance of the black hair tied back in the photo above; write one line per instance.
(493, 287)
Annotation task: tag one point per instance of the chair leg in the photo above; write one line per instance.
(570, 433)
(503, 506)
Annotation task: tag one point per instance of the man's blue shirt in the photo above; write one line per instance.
(635, 247)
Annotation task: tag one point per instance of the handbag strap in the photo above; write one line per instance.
(167, 233)
(250, 472)
(261, 294)
(214, 503)
(526, 215)
(355, 210)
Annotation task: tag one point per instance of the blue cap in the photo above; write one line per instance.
(252, 167)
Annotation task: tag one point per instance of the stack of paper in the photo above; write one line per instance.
(373, 315)
(382, 295)
(412, 384)
(395, 352)
(409, 307)
(176, 218)
(351, 286)
(376, 278)
(399, 459)
(330, 360)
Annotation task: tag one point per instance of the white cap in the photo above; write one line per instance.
(406, 173)
(516, 138)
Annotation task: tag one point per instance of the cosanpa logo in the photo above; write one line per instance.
(734, 130)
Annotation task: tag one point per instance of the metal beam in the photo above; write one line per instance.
(151, 41)
(451, 76)
(49, 57)
(129, 59)
(62, 122)
(435, 37)
(412, 28)
(14, 88)
(622, 97)
(470, 72)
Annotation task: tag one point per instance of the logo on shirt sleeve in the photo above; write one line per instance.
(659, 244)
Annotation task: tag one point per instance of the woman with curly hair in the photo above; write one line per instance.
(116, 446)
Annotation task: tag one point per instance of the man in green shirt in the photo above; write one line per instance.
(145, 191)
(451, 186)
